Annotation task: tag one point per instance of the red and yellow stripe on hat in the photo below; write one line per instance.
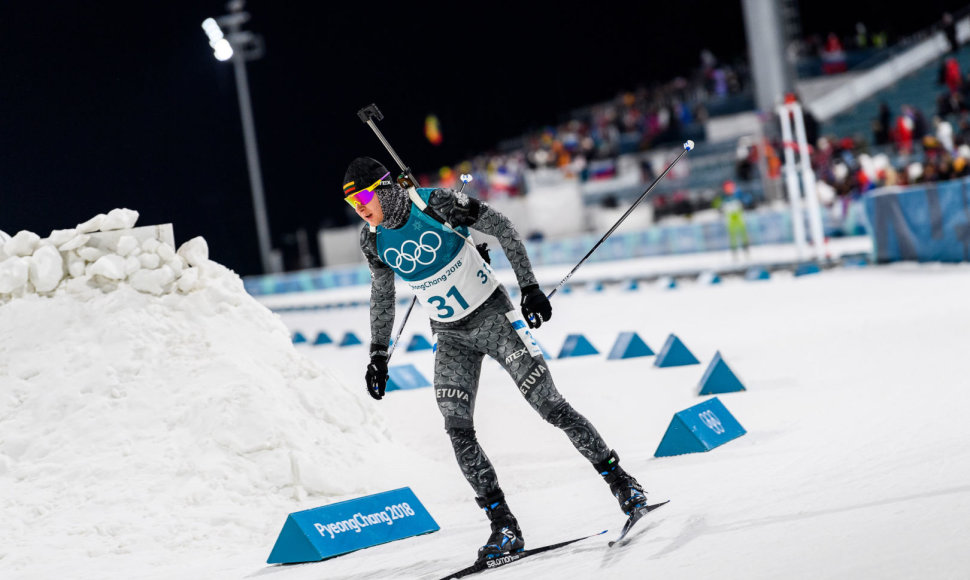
(349, 188)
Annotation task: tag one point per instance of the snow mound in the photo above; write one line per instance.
(147, 401)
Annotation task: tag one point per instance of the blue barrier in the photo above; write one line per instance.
(418, 342)
(806, 268)
(700, 428)
(855, 260)
(405, 377)
(757, 273)
(764, 227)
(322, 338)
(629, 345)
(708, 278)
(926, 223)
(328, 531)
(350, 339)
(674, 353)
(719, 378)
(576, 345)
(298, 338)
(633, 285)
(667, 282)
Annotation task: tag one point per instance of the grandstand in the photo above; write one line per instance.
(918, 89)
(601, 157)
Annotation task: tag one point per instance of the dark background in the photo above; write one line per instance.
(111, 104)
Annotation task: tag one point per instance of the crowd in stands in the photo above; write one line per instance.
(906, 146)
(587, 145)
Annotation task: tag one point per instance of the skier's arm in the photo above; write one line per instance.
(381, 294)
(461, 210)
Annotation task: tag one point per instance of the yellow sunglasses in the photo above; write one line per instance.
(359, 199)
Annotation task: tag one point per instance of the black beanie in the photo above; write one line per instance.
(363, 172)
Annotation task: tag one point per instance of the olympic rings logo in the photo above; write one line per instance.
(712, 422)
(422, 251)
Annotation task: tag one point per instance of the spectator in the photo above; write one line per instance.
(881, 125)
(920, 126)
(944, 134)
(903, 133)
(731, 203)
(833, 56)
(950, 31)
(951, 74)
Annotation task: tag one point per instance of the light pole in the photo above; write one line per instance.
(239, 46)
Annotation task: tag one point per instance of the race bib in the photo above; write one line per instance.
(458, 288)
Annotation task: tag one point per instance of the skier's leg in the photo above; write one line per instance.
(456, 372)
(531, 375)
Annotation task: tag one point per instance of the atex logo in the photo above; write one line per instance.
(712, 422)
(412, 253)
(515, 355)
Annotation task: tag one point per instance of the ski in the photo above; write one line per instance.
(497, 562)
(636, 517)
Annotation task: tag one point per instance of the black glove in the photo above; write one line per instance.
(376, 376)
(535, 306)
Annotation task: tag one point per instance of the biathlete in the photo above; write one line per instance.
(421, 234)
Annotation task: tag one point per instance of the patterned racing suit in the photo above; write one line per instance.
(466, 335)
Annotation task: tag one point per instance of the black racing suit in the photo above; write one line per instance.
(463, 343)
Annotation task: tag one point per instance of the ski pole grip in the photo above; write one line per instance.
(370, 112)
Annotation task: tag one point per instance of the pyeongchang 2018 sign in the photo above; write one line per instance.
(343, 527)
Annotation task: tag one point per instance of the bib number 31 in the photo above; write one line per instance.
(441, 303)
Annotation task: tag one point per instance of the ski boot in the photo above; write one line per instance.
(506, 537)
(624, 486)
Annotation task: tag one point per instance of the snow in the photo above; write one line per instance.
(146, 422)
(154, 436)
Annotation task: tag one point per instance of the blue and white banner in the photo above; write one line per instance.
(343, 527)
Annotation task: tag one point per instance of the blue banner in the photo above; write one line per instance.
(343, 527)
(926, 223)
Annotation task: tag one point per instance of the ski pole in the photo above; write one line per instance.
(688, 145)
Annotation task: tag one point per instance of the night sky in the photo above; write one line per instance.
(121, 104)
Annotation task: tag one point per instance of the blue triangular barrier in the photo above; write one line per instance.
(674, 354)
(700, 428)
(404, 377)
(807, 268)
(566, 289)
(708, 278)
(350, 339)
(577, 345)
(293, 544)
(667, 282)
(298, 338)
(633, 285)
(719, 378)
(322, 338)
(596, 287)
(339, 528)
(629, 345)
(418, 342)
(757, 273)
